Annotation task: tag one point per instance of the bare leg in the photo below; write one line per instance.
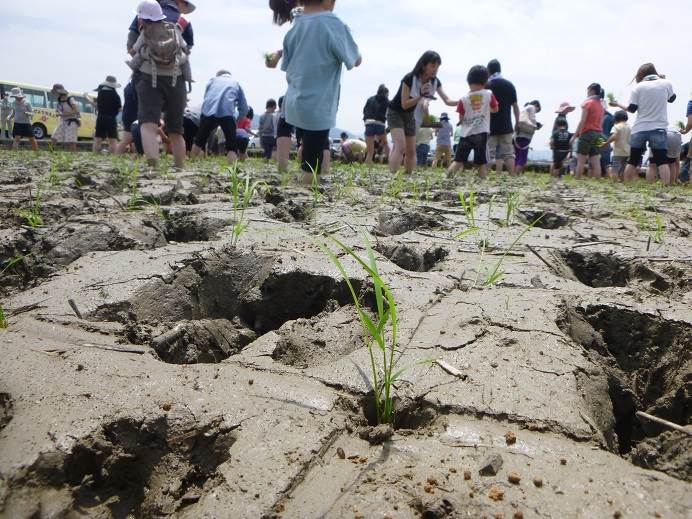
(483, 171)
(72, 147)
(97, 144)
(15, 144)
(396, 156)
(179, 150)
(410, 155)
(283, 152)
(456, 166)
(33, 143)
(150, 143)
(595, 166)
(510, 165)
(664, 172)
(112, 145)
(651, 173)
(370, 141)
(581, 165)
(195, 152)
(125, 142)
(385, 145)
(326, 163)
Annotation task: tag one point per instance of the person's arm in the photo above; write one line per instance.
(494, 104)
(345, 48)
(443, 95)
(272, 60)
(552, 143)
(407, 101)
(242, 104)
(688, 128)
(582, 122)
(517, 113)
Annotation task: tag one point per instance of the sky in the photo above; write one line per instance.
(550, 50)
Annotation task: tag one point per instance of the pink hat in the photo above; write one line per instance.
(565, 108)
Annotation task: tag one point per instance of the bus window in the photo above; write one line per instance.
(37, 98)
(85, 106)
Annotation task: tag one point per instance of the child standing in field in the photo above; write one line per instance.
(443, 149)
(68, 111)
(560, 144)
(267, 129)
(474, 116)
(620, 139)
(22, 115)
(314, 51)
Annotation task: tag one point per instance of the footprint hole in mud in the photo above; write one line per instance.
(409, 414)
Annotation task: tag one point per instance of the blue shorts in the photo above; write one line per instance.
(658, 142)
(374, 130)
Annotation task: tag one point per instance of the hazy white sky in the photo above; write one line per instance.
(551, 50)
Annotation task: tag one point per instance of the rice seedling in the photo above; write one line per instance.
(3, 319)
(382, 331)
(612, 100)
(497, 273)
(513, 201)
(32, 216)
(658, 236)
(681, 126)
(242, 191)
(13, 262)
(468, 204)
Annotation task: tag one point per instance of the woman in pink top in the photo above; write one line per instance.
(590, 133)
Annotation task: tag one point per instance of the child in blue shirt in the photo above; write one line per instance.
(314, 50)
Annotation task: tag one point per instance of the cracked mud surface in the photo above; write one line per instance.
(152, 370)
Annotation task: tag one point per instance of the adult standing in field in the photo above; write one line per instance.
(21, 114)
(129, 116)
(562, 112)
(222, 98)
(108, 106)
(590, 133)
(607, 150)
(443, 146)
(500, 143)
(160, 87)
(5, 110)
(315, 50)
(67, 131)
(415, 88)
(375, 118)
(649, 100)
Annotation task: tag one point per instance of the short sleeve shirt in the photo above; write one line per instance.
(689, 108)
(475, 110)
(651, 97)
(315, 49)
(108, 102)
(621, 144)
(561, 140)
(444, 134)
(594, 115)
(506, 94)
(22, 112)
(395, 103)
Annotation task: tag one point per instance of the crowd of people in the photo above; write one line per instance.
(491, 124)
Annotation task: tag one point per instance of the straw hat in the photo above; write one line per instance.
(189, 7)
(17, 92)
(59, 89)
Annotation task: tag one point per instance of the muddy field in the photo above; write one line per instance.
(152, 369)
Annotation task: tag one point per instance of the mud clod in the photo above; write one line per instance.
(6, 409)
(491, 465)
(401, 221)
(377, 435)
(548, 219)
(411, 258)
(129, 468)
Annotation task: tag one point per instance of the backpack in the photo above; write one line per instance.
(164, 47)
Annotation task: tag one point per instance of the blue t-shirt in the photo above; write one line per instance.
(172, 14)
(689, 108)
(314, 50)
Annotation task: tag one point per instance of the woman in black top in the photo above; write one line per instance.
(415, 90)
(375, 118)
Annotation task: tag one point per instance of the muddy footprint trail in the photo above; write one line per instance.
(150, 368)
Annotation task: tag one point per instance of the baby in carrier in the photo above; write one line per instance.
(160, 43)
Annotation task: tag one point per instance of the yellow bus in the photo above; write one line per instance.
(45, 114)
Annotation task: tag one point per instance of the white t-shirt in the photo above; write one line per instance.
(621, 144)
(474, 109)
(651, 97)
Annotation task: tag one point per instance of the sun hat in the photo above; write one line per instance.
(150, 10)
(190, 7)
(110, 82)
(17, 92)
(58, 89)
(565, 108)
(444, 116)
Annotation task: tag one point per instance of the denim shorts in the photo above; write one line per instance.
(657, 139)
(374, 130)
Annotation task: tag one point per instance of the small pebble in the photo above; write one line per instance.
(467, 475)
(340, 452)
(496, 494)
(563, 461)
(518, 514)
(510, 438)
(514, 478)
(538, 481)
(167, 406)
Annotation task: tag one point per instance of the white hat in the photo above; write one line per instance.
(110, 82)
(17, 92)
(150, 10)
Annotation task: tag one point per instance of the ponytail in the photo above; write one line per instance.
(282, 10)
